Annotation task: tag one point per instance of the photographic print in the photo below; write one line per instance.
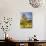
(26, 20)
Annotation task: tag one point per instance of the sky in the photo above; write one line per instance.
(28, 15)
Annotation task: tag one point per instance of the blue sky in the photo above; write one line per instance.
(28, 15)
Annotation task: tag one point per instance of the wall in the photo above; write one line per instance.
(13, 8)
(45, 28)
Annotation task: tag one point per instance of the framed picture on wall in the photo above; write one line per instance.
(26, 20)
